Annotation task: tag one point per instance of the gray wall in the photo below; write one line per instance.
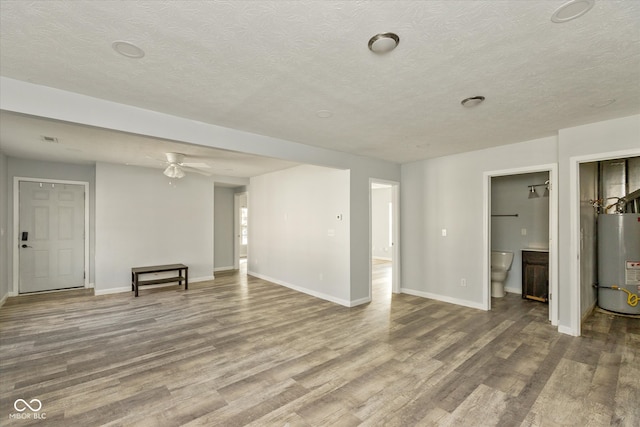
(4, 244)
(448, 193)
(50, 170)
(144, 218)
(510, 195)
(299, 231)
(26, 98)
(223, 228)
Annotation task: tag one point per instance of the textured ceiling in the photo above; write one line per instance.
(267, 67)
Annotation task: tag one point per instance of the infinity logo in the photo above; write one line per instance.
(24, 405)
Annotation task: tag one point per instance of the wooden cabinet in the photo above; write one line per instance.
(535, 275)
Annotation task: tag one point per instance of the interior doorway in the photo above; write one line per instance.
(241, 228)
(596, 181)
(51, 231)
(384, 214)
(515, 223)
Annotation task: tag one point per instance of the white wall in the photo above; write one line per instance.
(596, 141)
(296, 238)
(143, 220)
(380, 223)
(223, 228)
(510, 195)
(447, 193)
(4, 224)
(51, 170)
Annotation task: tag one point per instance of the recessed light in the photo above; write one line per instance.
(324, 114)
(127, 49)
(383, 43)
(571, 10)
(603, 103)
(472, 101)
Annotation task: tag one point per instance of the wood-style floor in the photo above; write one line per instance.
(242, 351)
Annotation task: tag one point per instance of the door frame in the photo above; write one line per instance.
(395, 230)
(574, 228)
(16, 227)
(236, 228)
(552, 168)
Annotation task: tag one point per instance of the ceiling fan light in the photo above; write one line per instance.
(174, 171)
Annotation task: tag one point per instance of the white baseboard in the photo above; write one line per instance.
(201, 279)
(313, 293)
(513, 290)
(443, 298)
(108, 291)
(215, 270)
(360, 301)
(567, 331)
(382, 258)
(123, 289)
(4, 299)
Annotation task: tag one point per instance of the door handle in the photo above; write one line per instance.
(26, 246)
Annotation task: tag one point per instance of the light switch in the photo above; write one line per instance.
(523, 231)
(444, 232)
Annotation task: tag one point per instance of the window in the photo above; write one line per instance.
(244, 216)
(390, 224)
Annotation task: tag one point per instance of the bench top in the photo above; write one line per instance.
(159, 268)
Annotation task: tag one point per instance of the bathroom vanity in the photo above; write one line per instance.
(535, 274)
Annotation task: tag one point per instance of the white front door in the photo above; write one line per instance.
(51, 237)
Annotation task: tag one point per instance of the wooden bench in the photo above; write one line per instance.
(178, 268)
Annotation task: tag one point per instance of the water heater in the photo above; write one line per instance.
(619, 262)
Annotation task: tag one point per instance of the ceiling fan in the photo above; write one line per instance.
(176, 166)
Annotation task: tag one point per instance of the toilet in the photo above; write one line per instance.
(500, 266)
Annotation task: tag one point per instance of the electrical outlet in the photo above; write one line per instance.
(463, 283)
(444, 232)
(523, 231)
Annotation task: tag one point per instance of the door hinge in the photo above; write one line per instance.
(84, 274)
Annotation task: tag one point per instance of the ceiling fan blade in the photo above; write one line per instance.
(196, 165)
(189, 169)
